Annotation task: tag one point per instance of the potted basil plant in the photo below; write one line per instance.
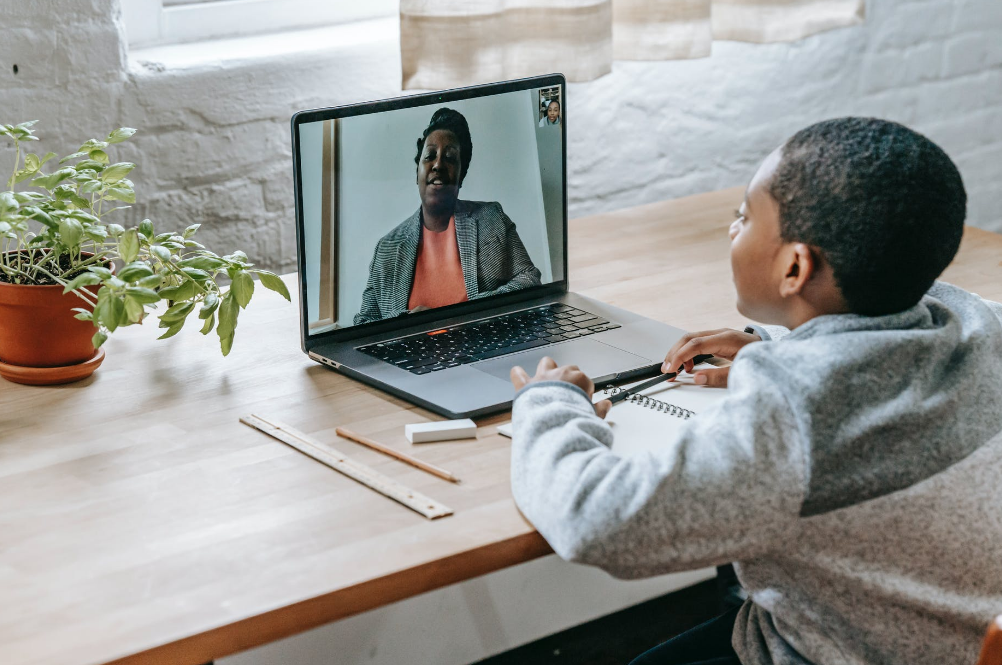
(69, 277)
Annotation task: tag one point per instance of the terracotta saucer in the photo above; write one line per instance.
(50, 376)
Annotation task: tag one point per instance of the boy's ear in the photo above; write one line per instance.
(800, 267)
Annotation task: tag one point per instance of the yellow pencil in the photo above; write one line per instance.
(424, 466)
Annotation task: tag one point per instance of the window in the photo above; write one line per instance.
(152, 22)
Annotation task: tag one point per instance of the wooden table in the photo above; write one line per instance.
(140, 522)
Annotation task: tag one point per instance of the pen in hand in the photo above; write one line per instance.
(619, 397)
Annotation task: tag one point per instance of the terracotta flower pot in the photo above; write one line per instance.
(38, 329)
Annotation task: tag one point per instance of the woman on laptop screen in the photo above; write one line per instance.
(449, 250)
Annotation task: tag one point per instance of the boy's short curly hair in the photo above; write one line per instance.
(455, 122)
(884, 205)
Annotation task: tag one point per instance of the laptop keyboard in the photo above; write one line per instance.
(468, 343)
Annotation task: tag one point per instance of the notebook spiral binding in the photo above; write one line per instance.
(651, 403)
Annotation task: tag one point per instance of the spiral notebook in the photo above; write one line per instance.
(653, 419)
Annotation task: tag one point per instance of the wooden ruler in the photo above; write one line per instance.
(357, 471)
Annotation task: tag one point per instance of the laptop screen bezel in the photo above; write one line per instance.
(554, 288)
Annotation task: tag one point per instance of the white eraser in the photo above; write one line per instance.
(505, 429)
(443, 430)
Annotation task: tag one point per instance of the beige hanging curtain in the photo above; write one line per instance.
(449, 43)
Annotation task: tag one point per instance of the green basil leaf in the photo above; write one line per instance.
(228, 312)
(70, 232)
(113, 314)
(209, 305)
(190, 231)
(120, 134)
(79, 201)
(209, 323)
(98, 339)
(176, 312)
(142, 295)
(270, 280)
(93, 144)
(135, 271)
(101, 271)
(133, 309)
(84, 217)
(82, 280)
(161, 253)
(242, 288)
(116, 172)
(196, 274)
(123, 194)
(173, 329)
(146, 228)
(73, 156)
(91, 187)
(203, 263)
(151, 282)
(91, 164)
(183, 291)
(128, 245)
(226, 343)
(34, 213)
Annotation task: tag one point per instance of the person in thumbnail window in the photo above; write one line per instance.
(552, 116)
(449, 250)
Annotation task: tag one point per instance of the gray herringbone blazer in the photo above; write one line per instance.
(493, 257)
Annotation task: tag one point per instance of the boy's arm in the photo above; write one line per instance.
(994, 306)
(730, 489)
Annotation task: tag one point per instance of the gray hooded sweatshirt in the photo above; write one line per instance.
(853, 474)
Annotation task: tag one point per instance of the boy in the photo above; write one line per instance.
(853, 471)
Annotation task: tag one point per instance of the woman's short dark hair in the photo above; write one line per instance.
(884, 205)
(453, 121)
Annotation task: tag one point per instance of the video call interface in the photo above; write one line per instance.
(419, 208)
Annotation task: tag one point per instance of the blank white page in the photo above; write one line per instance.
(638, 428)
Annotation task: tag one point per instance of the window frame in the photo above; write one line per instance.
(151, 23)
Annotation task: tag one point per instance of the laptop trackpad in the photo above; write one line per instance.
(593, 357)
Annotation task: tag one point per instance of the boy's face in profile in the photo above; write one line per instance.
(757, 260)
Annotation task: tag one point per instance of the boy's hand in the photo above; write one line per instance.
(547, 370)
(723, 343)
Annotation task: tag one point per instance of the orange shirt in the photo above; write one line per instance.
(438, 274)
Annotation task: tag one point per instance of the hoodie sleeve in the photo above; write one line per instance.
(994, 306)
(768, 333)
(729, 488)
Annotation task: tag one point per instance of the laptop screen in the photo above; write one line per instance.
(430, 206)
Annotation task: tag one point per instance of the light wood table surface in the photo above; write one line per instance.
(141, 522)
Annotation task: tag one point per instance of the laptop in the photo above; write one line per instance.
(432, 241)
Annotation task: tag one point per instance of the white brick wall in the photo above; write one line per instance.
(214, 143)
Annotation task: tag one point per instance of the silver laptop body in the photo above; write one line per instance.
(357, 211)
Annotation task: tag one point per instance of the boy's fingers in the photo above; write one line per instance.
(723, 343)
(716, 378)
(519, 377)
(686, 352)
(545, 363)
(602, 408)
